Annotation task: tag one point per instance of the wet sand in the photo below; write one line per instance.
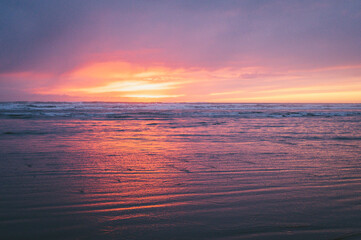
(292, 172)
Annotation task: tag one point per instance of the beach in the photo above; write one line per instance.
(80, 170)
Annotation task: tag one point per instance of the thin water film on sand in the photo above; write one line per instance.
(180, 171)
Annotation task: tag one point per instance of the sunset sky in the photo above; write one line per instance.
(181, 51)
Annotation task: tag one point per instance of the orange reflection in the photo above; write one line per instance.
(132, 157)
(146, 166)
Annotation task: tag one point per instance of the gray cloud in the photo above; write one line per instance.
(55, 36)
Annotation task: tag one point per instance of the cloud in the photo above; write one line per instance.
(59, 34)
(223, 45)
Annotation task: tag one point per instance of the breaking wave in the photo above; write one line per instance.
(118, 111)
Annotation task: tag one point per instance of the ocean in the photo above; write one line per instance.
(94, 170)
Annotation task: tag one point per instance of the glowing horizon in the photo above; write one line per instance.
(182, 52)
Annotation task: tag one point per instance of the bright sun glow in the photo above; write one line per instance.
(125, 81)
(131, 86)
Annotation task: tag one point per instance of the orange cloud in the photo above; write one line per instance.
(319, 97)
(127, 81)
(119, 79)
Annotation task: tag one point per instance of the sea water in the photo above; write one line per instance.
(179, 171)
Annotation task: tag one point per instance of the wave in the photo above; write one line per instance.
(103, 110)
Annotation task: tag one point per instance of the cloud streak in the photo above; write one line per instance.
(211, 48)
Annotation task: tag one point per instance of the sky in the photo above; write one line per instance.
(181, 51)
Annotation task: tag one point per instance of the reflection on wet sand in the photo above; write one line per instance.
(181, 178)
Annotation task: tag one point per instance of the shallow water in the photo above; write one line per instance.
(180, 171)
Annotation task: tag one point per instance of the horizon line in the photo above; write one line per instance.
(25, 101)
